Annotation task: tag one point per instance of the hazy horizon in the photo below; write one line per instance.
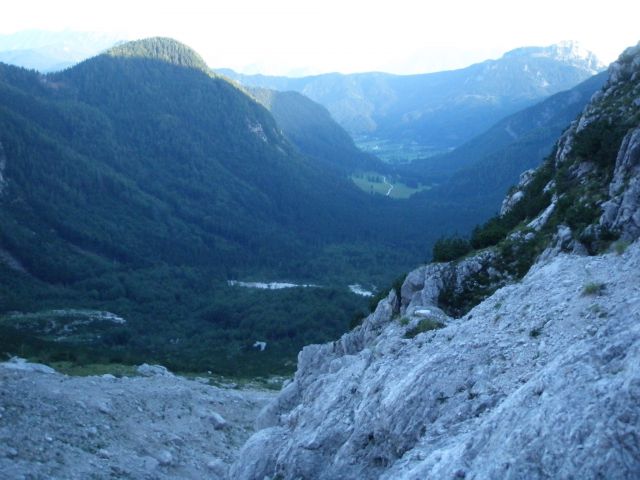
(285, 37)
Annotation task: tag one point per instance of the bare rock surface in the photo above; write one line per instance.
(426, 284)
(517, 194)
(53, 426)
(541, 380)
(622, 210)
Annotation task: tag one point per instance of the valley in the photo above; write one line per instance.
(395, 153)
(354, 288)
(388, 186)
(403, 117)
(159, 185)
(392, 274)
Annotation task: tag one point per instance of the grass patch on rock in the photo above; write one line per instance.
(424, 325)
(593, 289)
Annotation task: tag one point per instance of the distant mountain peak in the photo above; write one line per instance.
(160, 48)
(566, 51)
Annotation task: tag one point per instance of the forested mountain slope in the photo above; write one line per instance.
(137, 183)
(481, 170)
(311, 128)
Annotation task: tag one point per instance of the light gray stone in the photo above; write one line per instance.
(16, 363)
(542, 219)
(518, 193)
(152, 370)
(425, 285)
(218, 467)
(217, 420)
(164, 458)
(622, 211)
(513, 391)
(53, 426)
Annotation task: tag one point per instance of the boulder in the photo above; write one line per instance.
(147, 370)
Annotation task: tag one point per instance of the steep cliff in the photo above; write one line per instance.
(538, 380)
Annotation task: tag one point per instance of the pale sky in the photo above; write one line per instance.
(307, 37)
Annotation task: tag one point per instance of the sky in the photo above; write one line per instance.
(302, 37)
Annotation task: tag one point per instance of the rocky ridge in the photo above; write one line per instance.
(539, 380)
(585, 196)
(570, 52)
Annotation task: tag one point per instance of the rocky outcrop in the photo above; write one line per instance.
(147, 370)
(517, 193)
(429, 284)
(616, 108)
(621, 212)
(538, 381)
(626, 67)
(562, 241)
(618, 98)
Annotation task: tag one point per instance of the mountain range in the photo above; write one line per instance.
(137, 186)
(135, 182)
(440, 110)
(516, 357)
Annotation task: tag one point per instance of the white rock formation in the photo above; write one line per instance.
(518, 193)
(424, 285)
(147, 370)
(622, 211)
(539, 381)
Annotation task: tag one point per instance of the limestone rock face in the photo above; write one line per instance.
(622, 211)
(425, 285)
(562, 241)
(540, 380)
(17, 363)
(618, 96)
(514, 197)
(623, 70)
(616, 106)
